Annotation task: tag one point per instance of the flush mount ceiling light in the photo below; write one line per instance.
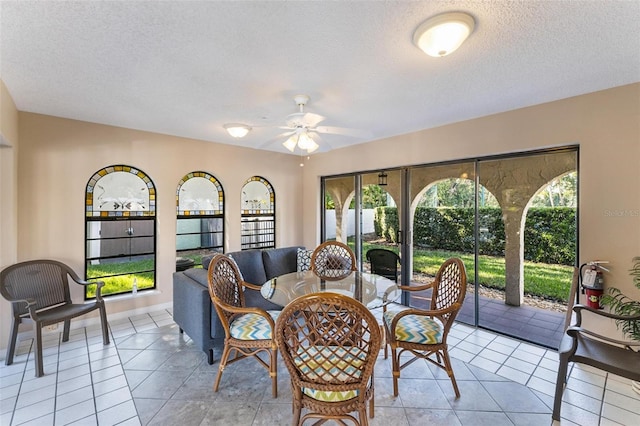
(442, 34)
(237, 130)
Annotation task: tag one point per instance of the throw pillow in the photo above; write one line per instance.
(304, 259)
(236, 264)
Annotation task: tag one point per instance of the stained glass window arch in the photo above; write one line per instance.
(258, 207)
(200, 217)
(120, 229)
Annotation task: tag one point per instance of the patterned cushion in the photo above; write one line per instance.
(320, 363)
(236, 265)
(416, 328)
(304, 259)
(252, 326)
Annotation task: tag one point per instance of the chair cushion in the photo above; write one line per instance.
(319, 363)
(416, 328)
(304, 260)
(252, 326)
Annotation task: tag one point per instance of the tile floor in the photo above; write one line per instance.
(151, 374)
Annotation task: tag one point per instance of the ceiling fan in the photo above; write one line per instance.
(303, 131)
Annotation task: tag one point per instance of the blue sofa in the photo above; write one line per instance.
(192, 308)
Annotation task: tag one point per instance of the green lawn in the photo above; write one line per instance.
(540, 279)
(543, 280)
(118, 277)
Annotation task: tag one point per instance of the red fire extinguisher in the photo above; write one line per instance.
(592, 279)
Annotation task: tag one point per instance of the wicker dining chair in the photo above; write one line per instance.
(423, 333)
(39, 290)
(329, 343)
(248, 330)
(333, 260)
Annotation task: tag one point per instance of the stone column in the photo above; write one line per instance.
(514, 255)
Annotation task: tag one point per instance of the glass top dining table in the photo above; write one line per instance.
(374, 291)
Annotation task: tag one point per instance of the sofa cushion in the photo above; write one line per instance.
(279, 261)
(199, 275)
(206, 260)
(250, 265)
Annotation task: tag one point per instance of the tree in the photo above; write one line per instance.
(456, 193)
(559, 192)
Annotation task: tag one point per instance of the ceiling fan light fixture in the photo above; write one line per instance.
(305, 142)
(442, 34)
(237, 130)
(312, 147)
(291, 143)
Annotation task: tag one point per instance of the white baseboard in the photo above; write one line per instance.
(91, 321)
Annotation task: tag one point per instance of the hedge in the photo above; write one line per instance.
(549, 237)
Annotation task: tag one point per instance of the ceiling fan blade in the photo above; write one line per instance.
(275, 139)
(344, 131)
(312, 120)
(303, 119)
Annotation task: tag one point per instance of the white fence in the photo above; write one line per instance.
(367, 222)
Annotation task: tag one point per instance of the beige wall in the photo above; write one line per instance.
(8, 176)
(8, 195)
(58, 156)
(605, 124)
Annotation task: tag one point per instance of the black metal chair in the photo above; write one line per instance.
(39, 290)
(384, 262)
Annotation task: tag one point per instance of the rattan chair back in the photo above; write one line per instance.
(249, 331)
(449, 290)
(423, 333)
(225, 287)
(333, 260)
(329, 343)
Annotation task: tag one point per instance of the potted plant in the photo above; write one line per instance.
(621, 304)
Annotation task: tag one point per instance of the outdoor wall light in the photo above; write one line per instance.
(382, 179)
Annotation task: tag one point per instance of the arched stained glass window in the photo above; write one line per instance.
(120, 218)
(258, 214)
(200, 217)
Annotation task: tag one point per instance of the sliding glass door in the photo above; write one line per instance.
(442, 225)
(511, 219)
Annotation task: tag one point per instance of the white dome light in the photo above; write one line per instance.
(442, 34)
(237, 130)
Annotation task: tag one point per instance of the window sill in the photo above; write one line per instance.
(129, 296)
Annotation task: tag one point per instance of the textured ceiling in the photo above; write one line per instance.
(186, 68)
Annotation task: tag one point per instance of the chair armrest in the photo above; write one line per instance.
(251, 286)
(29, 302)
(578, 309)
(245, 310)
(416, 287)
(574, 331)
(78, 280)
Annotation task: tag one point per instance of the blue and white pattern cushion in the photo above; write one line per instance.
(252, 326)
(236, 265)
(304, 260)
(416, 328)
